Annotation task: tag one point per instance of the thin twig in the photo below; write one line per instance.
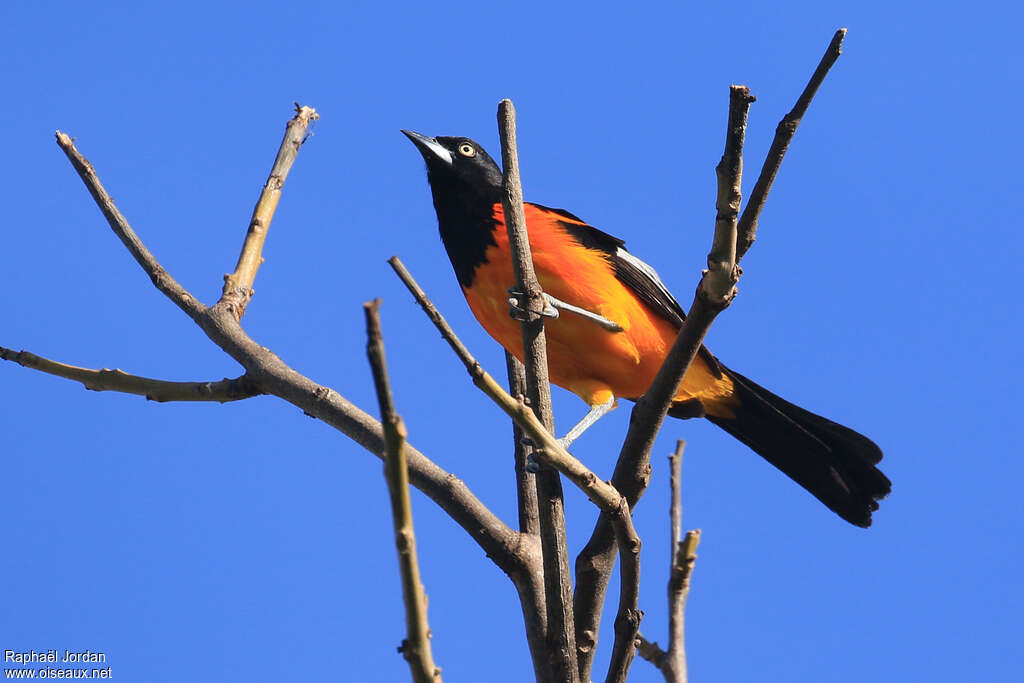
(676, 658)
(684, 557)
(557, 573)
(416, 647)
(161, 391)
(783, 136)
(675, 463)
(238, 285)
(161, 279)
(672, 663)
(632, 470)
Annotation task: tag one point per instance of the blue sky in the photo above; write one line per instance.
(249, 542)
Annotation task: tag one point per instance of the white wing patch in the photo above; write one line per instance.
(646, 270)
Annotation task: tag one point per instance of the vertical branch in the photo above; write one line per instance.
(676, 659)
(557, 581)
(684, 558)
(526, 486)
(628, 616)
(531, 592)
(675, 463)
(672, 663)
(416, 647)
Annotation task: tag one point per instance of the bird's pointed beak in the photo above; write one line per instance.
(430, 148)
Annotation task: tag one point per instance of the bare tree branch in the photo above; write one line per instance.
(627, 619)
(557, 574)
(550, 452)
(675, 462)
(161, 391)
(632, 470)
(416, 647)
(531, 598)
(783, 136)
(513, 553)
(162, 280)
(672, 663)
(678, 591)
(238, 285)
(526, 488)
(683, 554)
(676, 659)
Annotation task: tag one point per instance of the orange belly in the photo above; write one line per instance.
(591, 362)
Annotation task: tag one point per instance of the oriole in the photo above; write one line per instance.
(633, 320)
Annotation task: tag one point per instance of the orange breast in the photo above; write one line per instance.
(591, 362)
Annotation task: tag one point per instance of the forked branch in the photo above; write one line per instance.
(632, 471)
(267, 373)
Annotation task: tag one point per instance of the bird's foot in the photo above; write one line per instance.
(519, 312)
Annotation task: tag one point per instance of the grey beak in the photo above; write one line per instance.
(430, 148)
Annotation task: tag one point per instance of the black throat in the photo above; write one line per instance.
(465, 218)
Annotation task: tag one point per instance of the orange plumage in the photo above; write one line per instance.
(593, 363)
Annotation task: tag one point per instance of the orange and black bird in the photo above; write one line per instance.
(614, 322)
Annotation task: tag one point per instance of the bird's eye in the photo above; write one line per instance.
(467, 150)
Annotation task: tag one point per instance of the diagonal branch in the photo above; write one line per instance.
(554, 546)
(632, 470)
(416, 647)
(158, 390)
(162, 280)
(509, 549)
(783, 136)
(238, 285)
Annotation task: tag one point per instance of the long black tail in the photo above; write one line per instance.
(831, 461)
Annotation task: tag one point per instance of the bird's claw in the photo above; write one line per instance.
(519, 312)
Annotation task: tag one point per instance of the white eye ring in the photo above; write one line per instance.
(467, 150)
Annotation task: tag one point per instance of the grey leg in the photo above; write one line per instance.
(595, 414)
(552, 306)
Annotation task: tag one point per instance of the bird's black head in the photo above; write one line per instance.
(466, 185)
(457, 166)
